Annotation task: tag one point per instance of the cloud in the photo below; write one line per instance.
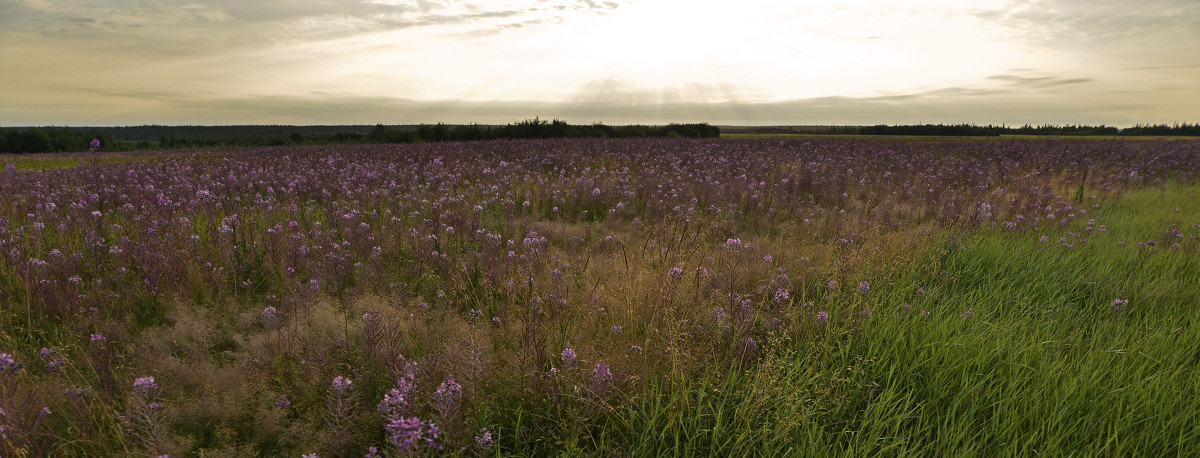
(1114, 28)
(602, 5)
(1037, 81)
(106, 46)
(227, 21)
(1018, 100)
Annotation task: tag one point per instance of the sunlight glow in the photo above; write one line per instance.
(692, 50)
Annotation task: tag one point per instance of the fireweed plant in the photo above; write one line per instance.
(638, 297)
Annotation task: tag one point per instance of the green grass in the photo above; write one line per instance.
(53, 161)
(1044, 366)
(41, 163)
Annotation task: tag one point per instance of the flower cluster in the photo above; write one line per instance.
(484, 440)
(567, 357)
(448, 392)
(601, 378)
(144, 386)
(270, 318)
(1119, 305)
(407, 435)
(8, 363)
(340, 384)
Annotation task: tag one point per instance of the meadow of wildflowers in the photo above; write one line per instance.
(631, 297)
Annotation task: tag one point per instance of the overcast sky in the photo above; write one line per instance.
(126, 62)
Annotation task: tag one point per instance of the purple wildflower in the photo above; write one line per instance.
(53, 360)
(393, 403)
(144, 385)
(1119, 305)
(567, 357)
(407, 434)
(749, 345)
(8, 363)
(270, 319)
(674, 273)
(449, 392)
(601, 378)
(781, 295)
(484, 439)
(341, 384)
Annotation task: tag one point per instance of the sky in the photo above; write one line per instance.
(746, 62)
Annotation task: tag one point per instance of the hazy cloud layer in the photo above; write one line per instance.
(1093, 21)
(1105, 31)
(764, 62)
(197, 21)
(948, 105)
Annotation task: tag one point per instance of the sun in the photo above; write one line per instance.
(772, 50)
(661, 43)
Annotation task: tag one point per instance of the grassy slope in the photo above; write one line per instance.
(1042, 367)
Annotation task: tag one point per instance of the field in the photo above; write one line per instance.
(957, 138)
(800, 296)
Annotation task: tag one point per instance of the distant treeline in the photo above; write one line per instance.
(1163, 129)
(1184, 129)
(988, 130)
(823, 130)
(67, 139)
